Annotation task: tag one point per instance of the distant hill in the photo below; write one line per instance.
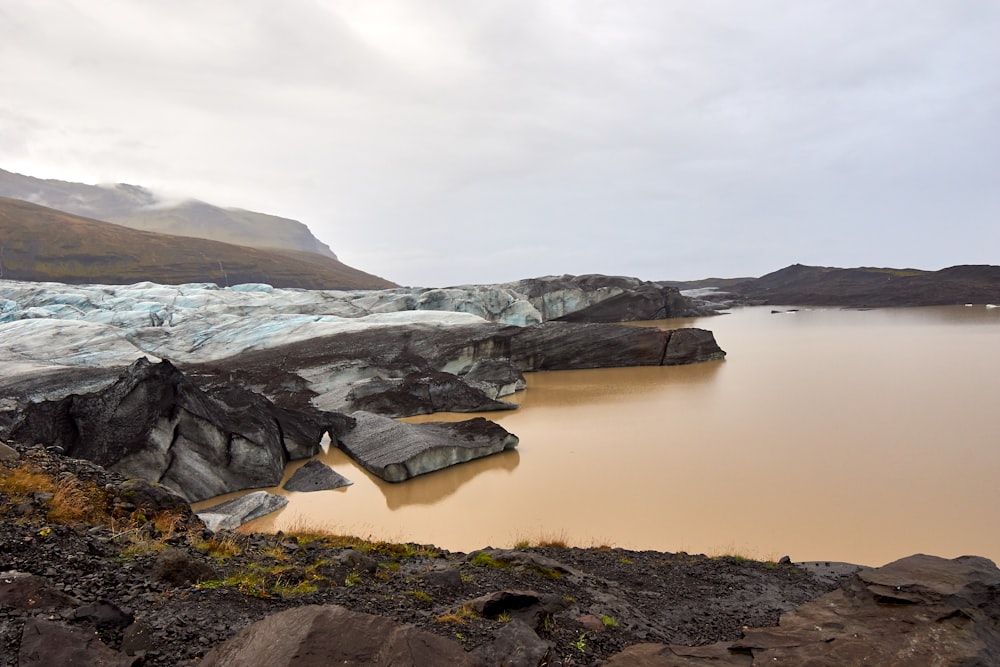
(718, 283)
(43, 244)
(872, 287)
(136, 207)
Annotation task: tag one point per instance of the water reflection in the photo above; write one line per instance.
(434, 487)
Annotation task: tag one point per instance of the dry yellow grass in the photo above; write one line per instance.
(23, 480)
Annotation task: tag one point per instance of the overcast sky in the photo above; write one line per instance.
(440, 142)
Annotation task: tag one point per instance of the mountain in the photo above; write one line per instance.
(43, 244)
(872, 287)
(136, 207)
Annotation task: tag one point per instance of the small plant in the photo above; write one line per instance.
(549, 623)
(167, 522)
(386, 570)
(505, 617)
(483, 559)
(458, 617)
(269, 582)
(420, 596)
(247, 582)
(733, 553)
(75, 501)
(609, 621)
(547, 572)
(68, 501)
(274, 552)
(581, 643)
(220, 548)
(451, 618)
(625, 560)
(353, 579)
(554, 543)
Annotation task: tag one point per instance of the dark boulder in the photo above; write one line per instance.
(529, 607)
(103, 614)
(316, 636)
(316, 476)
(45, 643)
(444, 578)
(516, 645)
(154, 424)
(32, 593)
(396, 451)
(149, 497)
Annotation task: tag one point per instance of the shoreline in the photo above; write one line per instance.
(156, 589)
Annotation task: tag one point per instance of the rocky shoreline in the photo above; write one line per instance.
(132, 577)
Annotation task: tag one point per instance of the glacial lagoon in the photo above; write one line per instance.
(827, 434)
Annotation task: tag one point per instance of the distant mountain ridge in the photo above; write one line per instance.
(136, 207)
(862, 287)
(43, 244)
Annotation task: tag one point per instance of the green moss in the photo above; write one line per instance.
(483, 559)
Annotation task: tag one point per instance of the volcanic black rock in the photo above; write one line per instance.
(154, 424)
(316, 476)
(396, 451)
(315, 636)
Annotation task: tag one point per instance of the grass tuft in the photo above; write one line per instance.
(220, 548)
(483, 559)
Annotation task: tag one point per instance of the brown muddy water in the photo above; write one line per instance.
(826, 434)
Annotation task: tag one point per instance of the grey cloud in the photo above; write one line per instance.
(442, 141)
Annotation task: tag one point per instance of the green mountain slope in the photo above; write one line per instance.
(42, 244)
(136, 207)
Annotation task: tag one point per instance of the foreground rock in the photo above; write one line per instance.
(152, 423)
(397, 451)
(45, 643)
(920, 610)
(316, 636)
